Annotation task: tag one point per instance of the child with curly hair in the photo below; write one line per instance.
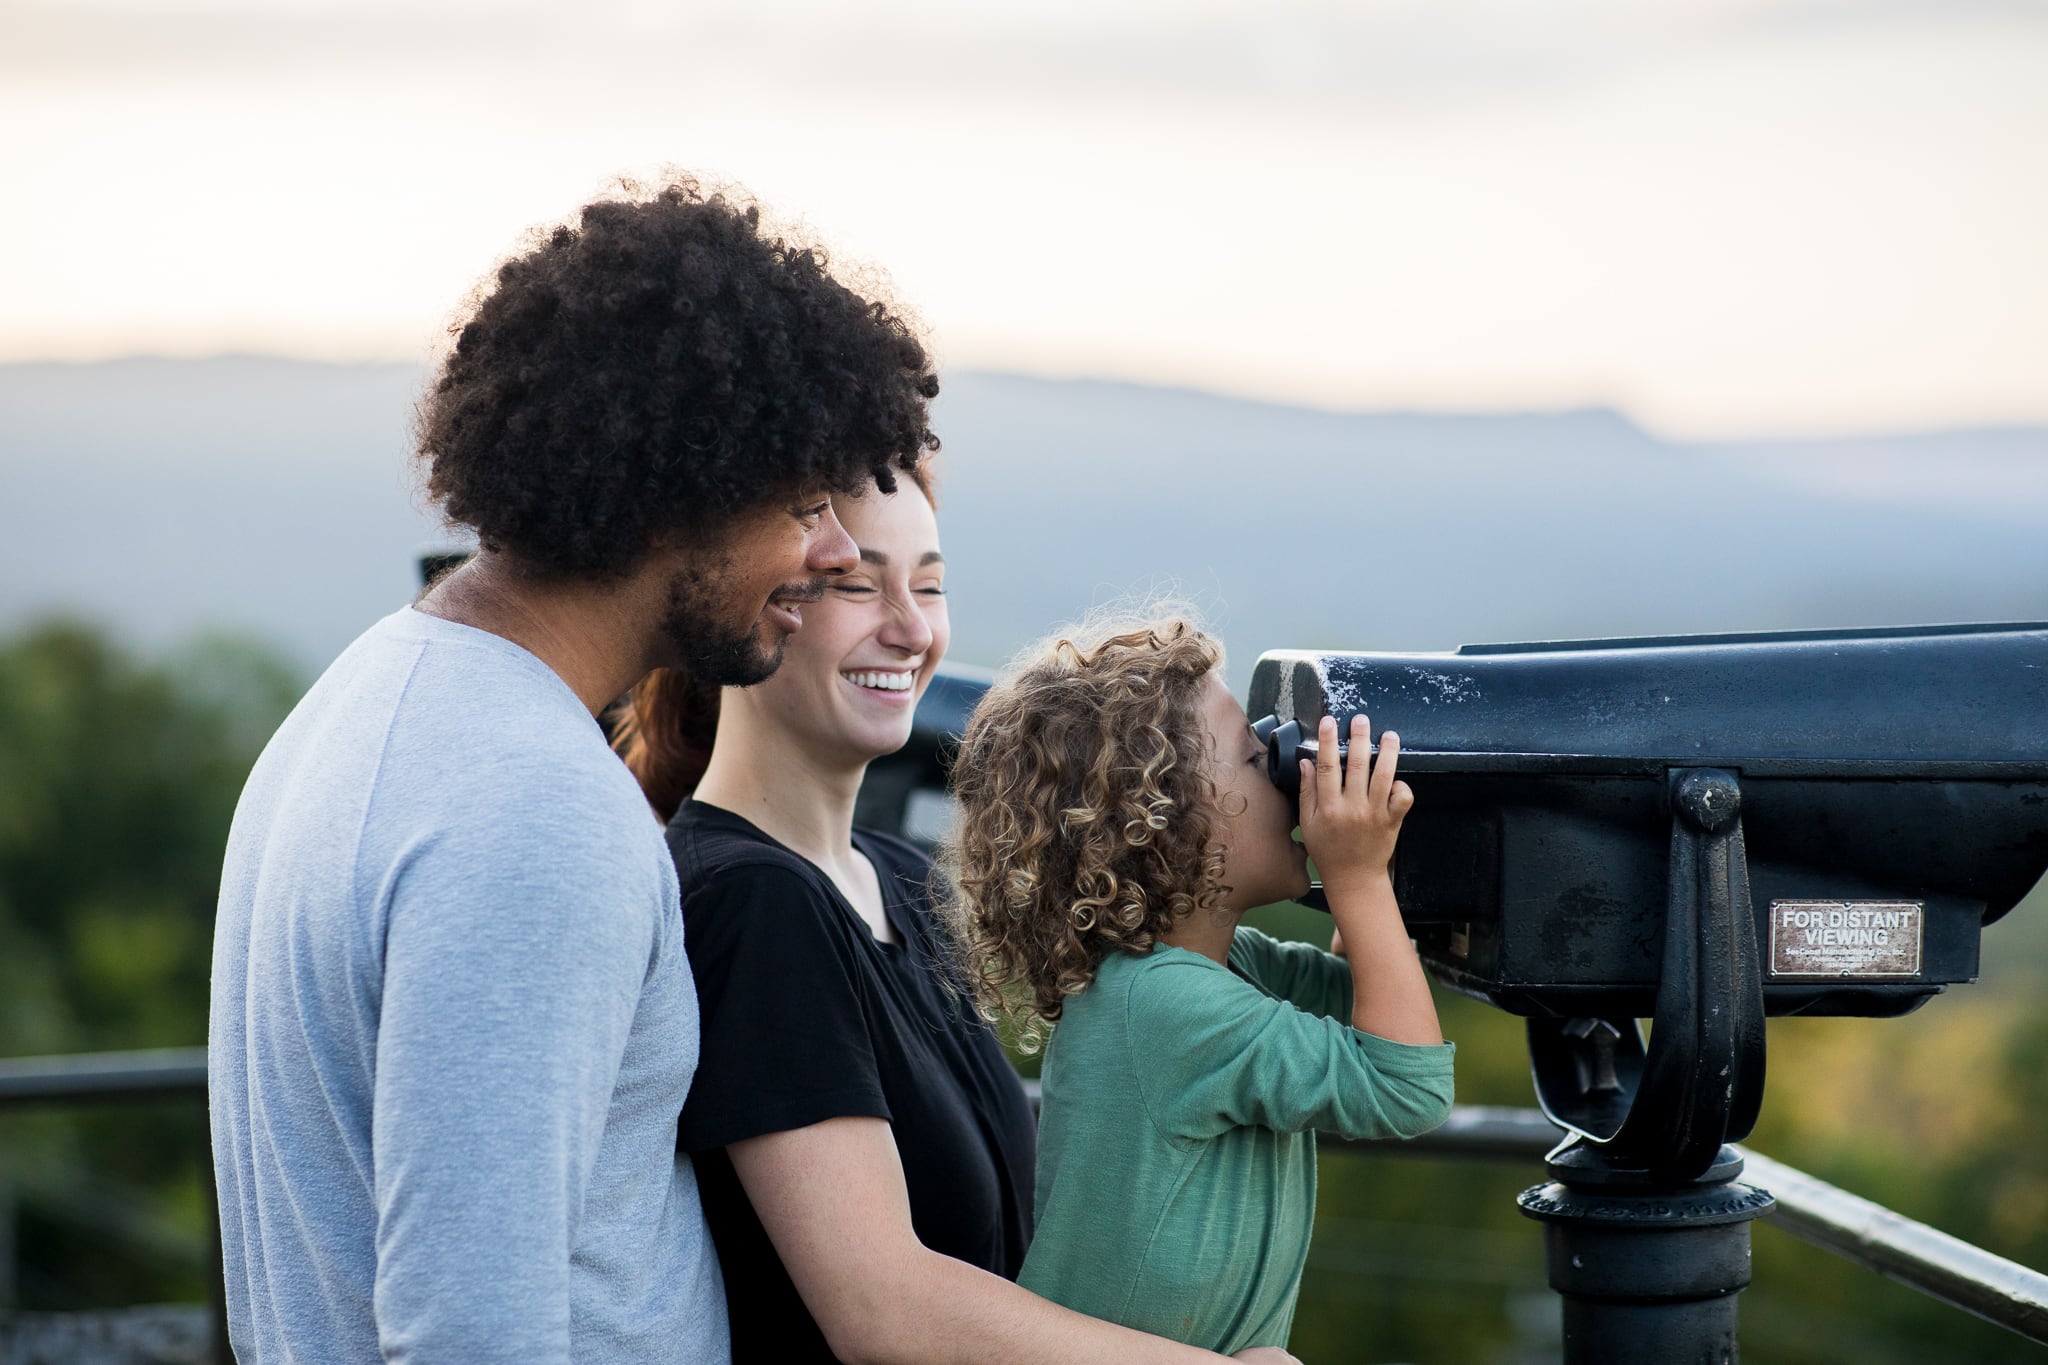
(1115, 824)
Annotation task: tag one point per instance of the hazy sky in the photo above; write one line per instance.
(1729, 217)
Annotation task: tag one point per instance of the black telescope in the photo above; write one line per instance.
(1893, 793)
(1703, 830)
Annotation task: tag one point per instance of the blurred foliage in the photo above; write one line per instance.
(118, 778)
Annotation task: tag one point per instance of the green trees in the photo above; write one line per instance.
(118, 779)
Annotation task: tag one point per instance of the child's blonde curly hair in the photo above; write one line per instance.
(1085, 811)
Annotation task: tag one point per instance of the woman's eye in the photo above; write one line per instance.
(932, 592)
(852, 589)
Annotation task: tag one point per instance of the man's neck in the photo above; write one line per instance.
(593, 636)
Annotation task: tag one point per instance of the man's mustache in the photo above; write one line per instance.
(809, 590)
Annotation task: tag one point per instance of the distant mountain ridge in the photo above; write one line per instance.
(274, 497)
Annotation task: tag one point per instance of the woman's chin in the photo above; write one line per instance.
(878, 741)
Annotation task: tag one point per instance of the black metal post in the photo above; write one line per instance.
(1648, 1274)
(1646, 1227)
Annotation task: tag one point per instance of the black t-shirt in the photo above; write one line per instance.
(807, 1017)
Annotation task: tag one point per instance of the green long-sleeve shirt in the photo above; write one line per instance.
(1176, 1147)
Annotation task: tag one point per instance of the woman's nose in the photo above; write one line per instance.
(906, 629)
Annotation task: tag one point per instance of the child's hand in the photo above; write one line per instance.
(1351, 815)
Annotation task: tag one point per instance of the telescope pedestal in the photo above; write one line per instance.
(1647, 1272)
(1646, 1227)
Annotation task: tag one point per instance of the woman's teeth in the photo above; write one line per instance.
(886, 682)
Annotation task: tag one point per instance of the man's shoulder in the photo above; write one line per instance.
(489, 691)
(467, 747)
(414, 680)
(482, 721)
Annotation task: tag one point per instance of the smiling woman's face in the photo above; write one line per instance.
(852, 675)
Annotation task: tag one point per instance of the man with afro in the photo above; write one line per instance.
(452, 1024)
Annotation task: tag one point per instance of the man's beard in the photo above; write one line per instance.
(714, 650)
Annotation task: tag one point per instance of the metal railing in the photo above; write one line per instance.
(1942, 1267)
(176, 1074)
(99, 1077)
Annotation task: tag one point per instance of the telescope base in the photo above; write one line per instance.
(1648, 1273)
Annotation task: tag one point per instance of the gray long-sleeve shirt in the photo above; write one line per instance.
(452, 1029)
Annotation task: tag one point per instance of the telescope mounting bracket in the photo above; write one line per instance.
(1660, 1115)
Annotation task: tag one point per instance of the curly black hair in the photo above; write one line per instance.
(662, 363)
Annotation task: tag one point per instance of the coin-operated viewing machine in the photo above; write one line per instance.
(1701, 831)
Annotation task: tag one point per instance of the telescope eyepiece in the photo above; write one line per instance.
(1287, 745)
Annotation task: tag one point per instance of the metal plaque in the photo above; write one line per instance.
(1846, 938)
